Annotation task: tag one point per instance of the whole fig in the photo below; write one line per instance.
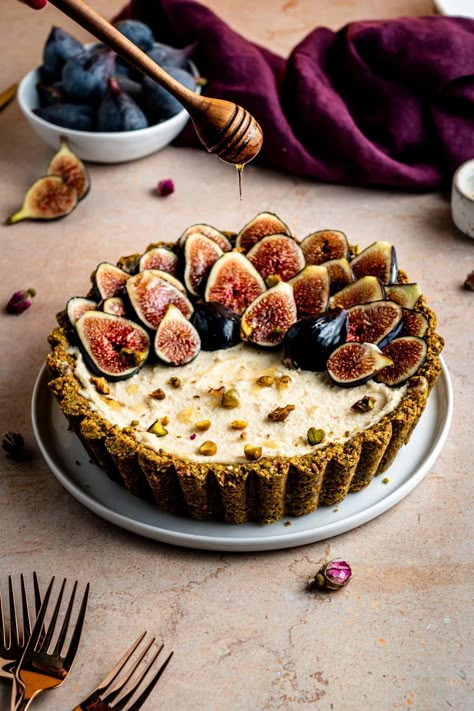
(119, 112)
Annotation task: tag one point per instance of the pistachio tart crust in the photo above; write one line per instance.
(263, 490)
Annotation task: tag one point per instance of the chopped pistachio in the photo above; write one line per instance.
(202, 425)
(315, 436)
(175, 382)
(100, 384)
(280, 414)
(386, 480)
(165, 420)
(157, 394)
(365, 404)
(265, 381)
(272, 280)
(284, 381)
(208, 448)
(252, 453)
(243, 435)
(131, 357)
(158, 428)
(134, 423)
(239, 424)
(230, 399)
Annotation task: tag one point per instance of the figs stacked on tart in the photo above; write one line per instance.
(246, 376)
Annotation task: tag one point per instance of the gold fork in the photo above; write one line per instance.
(39, 669)
(106, 693)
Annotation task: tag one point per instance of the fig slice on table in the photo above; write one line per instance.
(366, 289)
(378, 259)
(414, 323)
(406, 295)
(266, 320)
(377, 322)
(234, 282)
(160, 258)
(277, 255)
(49, 198)
(108, 280)
(113, 305)
(216, 235)
(262, 225)
(150, 295)
(354, 363)
(113, 347)
(200, 253)
(78, 305)
(407, 354)
(311, 290)
(176, 340)
(218, 326)
(66, 164)
(324, 245)
(340, 273)
(309, 342)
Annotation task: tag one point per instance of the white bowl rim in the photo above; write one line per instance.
(33, 75)
(464, 171)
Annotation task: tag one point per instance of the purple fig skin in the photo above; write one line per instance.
(85, 75)
(58, 49)
(119, 112)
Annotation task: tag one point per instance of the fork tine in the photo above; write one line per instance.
(123, 685)
(138, 703)
(65, 625)
(3, 640)
(76, 635)
(113, 674)
(36, 631)
(25, 605)
(13, 615)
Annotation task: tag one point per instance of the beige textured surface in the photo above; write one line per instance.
(246, 635)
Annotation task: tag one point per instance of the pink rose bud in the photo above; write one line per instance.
(20, 301)
(165, 187)
(333, 575)
(469, 282)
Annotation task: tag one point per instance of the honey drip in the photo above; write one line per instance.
(240, 169)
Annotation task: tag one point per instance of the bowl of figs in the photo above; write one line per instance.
(107, 110)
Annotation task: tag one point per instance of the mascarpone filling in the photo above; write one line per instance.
(317, 403)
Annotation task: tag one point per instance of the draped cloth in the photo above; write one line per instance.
(386, 102)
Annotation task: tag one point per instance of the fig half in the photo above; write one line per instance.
(160, 258)
(376, 322)
(234, 282)
(406, 295)
(216, 235)
(150, 295)
(78, 305)
(354, 363)
(262, 225)
(200, 253)
(368, 288)
(66, 164)
(176, 341)
(218, 326)
(113, 347)
(407, 354)
(324, 245)
(277, 255)
(311, 290)
(49, 198)
(378, 259)
(266, 320)
(108, 280)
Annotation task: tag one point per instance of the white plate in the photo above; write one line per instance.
(71, 465)
(461, 8)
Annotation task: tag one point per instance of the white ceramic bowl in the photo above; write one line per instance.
(117, 147)
(462, 198)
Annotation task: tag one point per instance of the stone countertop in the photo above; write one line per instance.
(246, 633)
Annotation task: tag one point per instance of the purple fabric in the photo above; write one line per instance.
(378, 103)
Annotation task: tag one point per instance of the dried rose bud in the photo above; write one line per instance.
(165, 187)
(332, 576)
(469, 282)
(13, 444)
(20, 301)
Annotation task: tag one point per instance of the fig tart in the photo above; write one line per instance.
(246, 376)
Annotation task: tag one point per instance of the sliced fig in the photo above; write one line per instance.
(78, 305)
(308, 343)
(174, 281)
(378, 259)
(406, 295)
(109, 280)
(407, 355)
(49, 198)
(71, 168)
(176, 340)
(234, 282)
(159, 258)
(414, 323)
(277, 255)
(216, 235)
(200, 253)
(218, 326)
(262, 225)
(354, 363)
(340, 273)
(362, 291)
(150, 296)
(266, 320)
(113, 305)
(325, 245)
(311, 290)
(377, 322)
(113, 347)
